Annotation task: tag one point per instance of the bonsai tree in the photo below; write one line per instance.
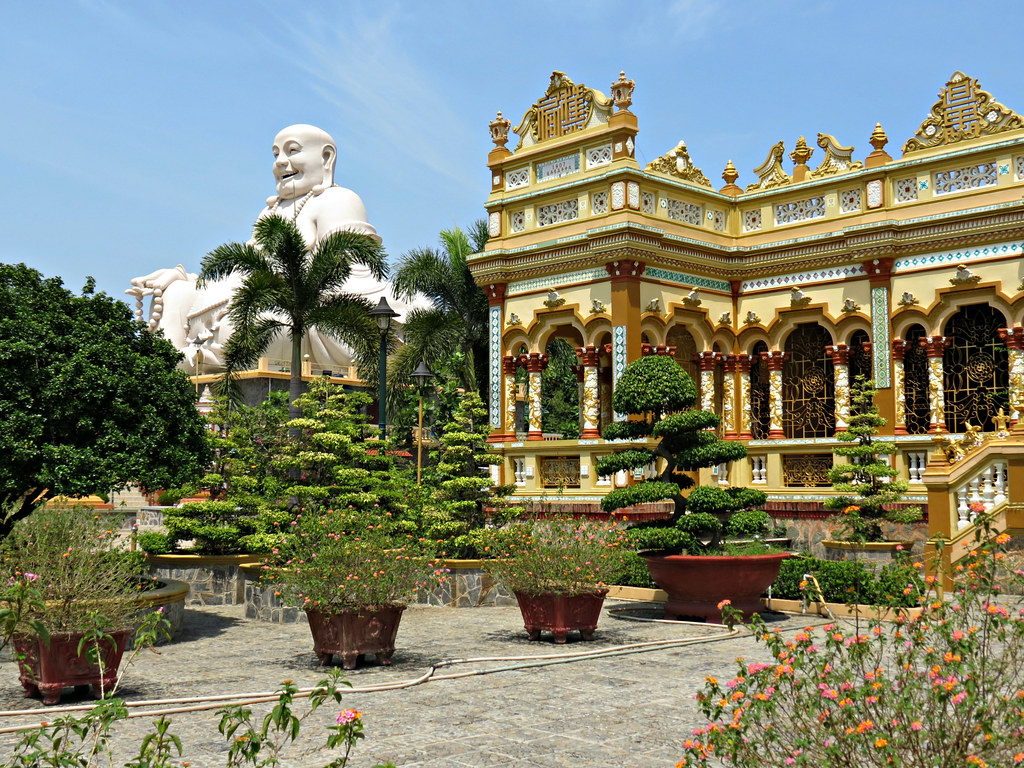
(658, 391)
(870, 488)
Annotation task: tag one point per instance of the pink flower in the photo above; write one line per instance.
(724, 603)
(349, 716)
(917, 725)
(31, 576)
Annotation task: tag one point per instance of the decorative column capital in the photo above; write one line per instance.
(742, 363)
(731, 363)
(1013, 337)
(495, 293)
(588, 356)
(879, 270)
(626, 270)
(899, 349)
(509, 363)
(934, 346)
(839, 353)
(707, 360)
(536, 362)
(774, 359)
(651, 349)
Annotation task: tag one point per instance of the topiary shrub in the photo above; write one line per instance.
(849, 582)
(751, 522)
(154, 543)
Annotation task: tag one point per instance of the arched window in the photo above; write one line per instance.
(976, 373)
(915, 382)
(760, 396)
(808, 384)
(686, 350)
(860, 356)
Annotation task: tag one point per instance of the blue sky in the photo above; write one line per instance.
(136, 135)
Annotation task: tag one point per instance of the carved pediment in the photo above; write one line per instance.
(676, 162)
(770, 173)
(564, 108)
(838, 159)
(963, 111)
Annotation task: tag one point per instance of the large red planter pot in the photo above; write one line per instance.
(696, 584)
(351, 633)
(48, 669)
(560, 614)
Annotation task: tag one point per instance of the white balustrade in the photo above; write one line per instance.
(980, 493)
(759, 469)
(723, 473)
(520, 471)
(916, 462)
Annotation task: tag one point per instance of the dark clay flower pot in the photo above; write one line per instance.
(561, 614)
(351, 633)
(47, 669)
(697, 584)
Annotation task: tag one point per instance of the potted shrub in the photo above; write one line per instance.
(677, 439)
(352, 574)
(870, 490)
(84, 584)
(558, 569)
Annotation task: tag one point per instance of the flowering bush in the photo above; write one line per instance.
(347, 559)
(80, 566)
(942, 689)
(560, 556)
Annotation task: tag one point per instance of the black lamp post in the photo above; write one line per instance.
(382, 315)
(421, 375)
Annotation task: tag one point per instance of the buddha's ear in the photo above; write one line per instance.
(329, 156)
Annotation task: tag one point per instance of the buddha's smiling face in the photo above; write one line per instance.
(303, 158)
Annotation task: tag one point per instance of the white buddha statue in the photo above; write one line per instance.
(195, 319)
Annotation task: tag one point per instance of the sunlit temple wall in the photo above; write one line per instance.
(774, 296)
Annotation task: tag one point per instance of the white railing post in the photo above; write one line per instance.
(963, 514)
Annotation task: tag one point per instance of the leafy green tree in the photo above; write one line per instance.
(287, 287)
(90, 401)
(456, 321)
(560, 391)
(870, 487)
(659, 391)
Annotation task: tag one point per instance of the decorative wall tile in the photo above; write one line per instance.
(517, 221)
(553, 281)
(618, 195)
(494, 365)
(906, 189)
(618, 359)
(556, 213)
(752, 220)
(633, 195)
(598, 156)
(926, 260)
(718, 220)
(681, 278)
(518, 178)
(599, 203)
(802, 278)
(560, 166)
(494, 224)
(880, 336)
(800, 210)
(688, 213)
(849, 201)
(647, 202)
(968, 177)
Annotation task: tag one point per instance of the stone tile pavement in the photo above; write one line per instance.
(627, 711)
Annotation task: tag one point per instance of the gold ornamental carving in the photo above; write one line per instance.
(564, 109)
(838, 159)
(963, 111)
(770, 173)
(676, 162)
(560, 471)
(806, 471)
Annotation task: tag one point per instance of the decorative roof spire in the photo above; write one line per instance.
(499, 130)
(730, 174)
(878, 140)
(622, 92)
(800, 155)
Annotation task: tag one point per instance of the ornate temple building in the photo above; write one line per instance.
(833, 264)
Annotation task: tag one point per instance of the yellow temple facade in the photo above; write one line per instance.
(775, 296)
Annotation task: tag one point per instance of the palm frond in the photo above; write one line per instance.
(348, 248)
(279, 238)
(229, 258)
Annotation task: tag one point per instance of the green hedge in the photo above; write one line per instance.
(849, 581)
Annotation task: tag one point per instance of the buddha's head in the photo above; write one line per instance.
(304, 158)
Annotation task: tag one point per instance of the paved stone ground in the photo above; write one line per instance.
(628, 711)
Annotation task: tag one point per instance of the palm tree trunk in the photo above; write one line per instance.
(295, 381)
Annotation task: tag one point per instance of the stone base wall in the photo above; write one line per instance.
(212, 580)
(807, 531)
(151, 517)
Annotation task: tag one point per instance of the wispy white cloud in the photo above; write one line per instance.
(691, 20)
(364, 63)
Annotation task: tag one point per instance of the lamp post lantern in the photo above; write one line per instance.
(421, 375)
(382, 315)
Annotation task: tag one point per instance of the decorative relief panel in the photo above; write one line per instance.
(494, 224)
(677, 163)
(633, 195)
(618, 196)
(718, 220)
(598, 156)
(838, 159)
(880, 336)
(647, 202)
(599, 203)
(1018, 167)
(752, 220)
(968, 177)
(564, 108)
(556, 213)
(806, 471)
(494, 364)
(618, 359)
(520, 177)
(560, 166)
(800, 210)
(875, 192)
(849, 201)
(906, 189)
(560, 471)
(688, 213)
(517, 221)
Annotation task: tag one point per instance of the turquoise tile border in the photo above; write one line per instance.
(494, 385)
(925, 260)
(681, 278)
(880, 352)
(551, 281)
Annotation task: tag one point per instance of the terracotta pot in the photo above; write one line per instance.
(560, 614)
(353, 632)
(696, 584)
(47, 669)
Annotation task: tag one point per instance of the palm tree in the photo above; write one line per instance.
(289, 288)
(457, 320)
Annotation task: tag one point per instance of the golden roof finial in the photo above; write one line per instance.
(801, 153)
(730, 174)
(622, 92)
(499, 130)
(878, 140)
